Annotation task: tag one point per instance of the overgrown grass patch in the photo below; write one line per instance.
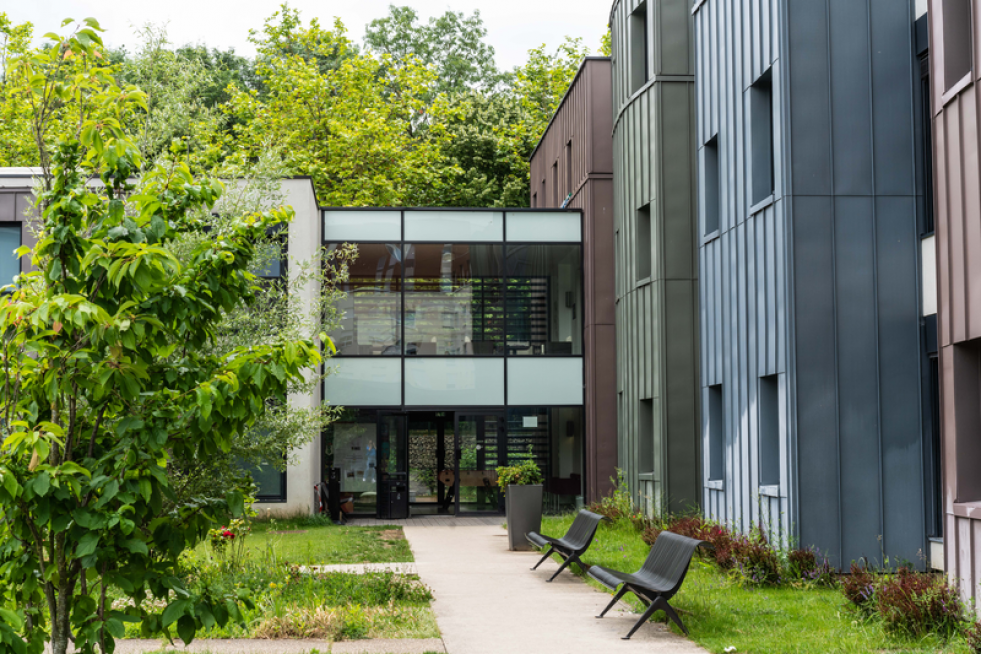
(720, 612)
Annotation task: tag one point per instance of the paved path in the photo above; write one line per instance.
(361, 568)
(489, 602)
(431, 521)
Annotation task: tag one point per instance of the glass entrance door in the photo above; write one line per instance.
(481, 447)
(387, 462)
(431, 472)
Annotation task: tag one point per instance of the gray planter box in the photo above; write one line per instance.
(523, 505)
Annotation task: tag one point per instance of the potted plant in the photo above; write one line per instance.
(521, 484)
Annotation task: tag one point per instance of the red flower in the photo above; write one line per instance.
(227, 534)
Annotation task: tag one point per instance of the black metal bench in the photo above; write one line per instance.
(658, 579)
(571, 546)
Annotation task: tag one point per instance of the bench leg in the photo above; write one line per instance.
(548, 553)
(662, 603)
(565, 564)
(616, 598)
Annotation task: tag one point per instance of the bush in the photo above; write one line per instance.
(526, 473)
(619, 504)
(972, 634)
(809, 565)
(753, 560)
(914, 604)
(859, 589)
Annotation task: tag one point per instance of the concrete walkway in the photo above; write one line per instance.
(489, 602)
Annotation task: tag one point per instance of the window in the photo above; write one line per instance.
(769, 406)
(552, 437)
(371, 312)
(926, 144)
(645, 436)
(270, 482)
(639, 66)
(9, 263)
(966, 389)
(710, 186)
(555, 184)
(454, 299)
(761, 109)
(716, 434)
(957, 41)
(643, 243)
(544, 299)
(568, 172)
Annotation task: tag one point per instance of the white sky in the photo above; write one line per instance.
(513, 26)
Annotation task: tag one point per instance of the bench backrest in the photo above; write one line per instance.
(583, 528)
(667, 563)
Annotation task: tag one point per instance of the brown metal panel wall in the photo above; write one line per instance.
(957, 206)
(584, 120)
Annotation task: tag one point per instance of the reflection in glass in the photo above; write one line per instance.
(351, 445)
(372, 310)
(544, 299)
(9, 263)
(552, 437)
(453, 300)
(270, 482)
(480, 441)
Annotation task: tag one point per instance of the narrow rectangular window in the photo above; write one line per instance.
(569, 189)
(643, 243)
(555, 184)
(710, 166)
(957, 41)
(639, 66)
(761, 110)
(769, 405)
(716, 434)
(645, 436)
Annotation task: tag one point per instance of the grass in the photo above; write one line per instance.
(331, 606)
(314, 542)
(720, 613)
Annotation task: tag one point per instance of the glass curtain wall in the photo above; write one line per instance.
(438, 303)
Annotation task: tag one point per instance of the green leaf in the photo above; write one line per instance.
(186, 629)
(115, 627)
(42, 484)
(174, 611)
(236, 503)
(87, 544)
(12, 619)
(135, 546)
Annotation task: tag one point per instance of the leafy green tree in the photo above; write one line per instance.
(16, 143)
(109, 372)
(606, 44)
(453, 44)
(339, 123)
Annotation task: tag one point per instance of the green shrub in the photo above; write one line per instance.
(525, 473)
(915, 604)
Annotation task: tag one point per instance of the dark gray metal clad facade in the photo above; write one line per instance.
(656, 255)
(809, 295)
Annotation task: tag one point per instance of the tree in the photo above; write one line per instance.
(339, 123)
(110, 371)
(16, 143)
(453, 44)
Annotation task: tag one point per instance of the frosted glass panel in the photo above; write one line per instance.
(450, 226)
(362, 226)
(9, 263)
(554, 227)
(364, 382)
(454, 381)
(544, 381)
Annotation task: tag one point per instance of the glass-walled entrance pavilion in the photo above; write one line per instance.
(460, 349)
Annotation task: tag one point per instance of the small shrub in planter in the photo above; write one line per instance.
(526, 473)
(914, 604)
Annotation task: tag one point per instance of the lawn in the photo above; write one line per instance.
(290, 603)
(721, 614)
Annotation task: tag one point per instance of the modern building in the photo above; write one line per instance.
(954, 73)
(656, 258)
(461, 349)
(16, 212)
(811, 211)
(572, 166)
